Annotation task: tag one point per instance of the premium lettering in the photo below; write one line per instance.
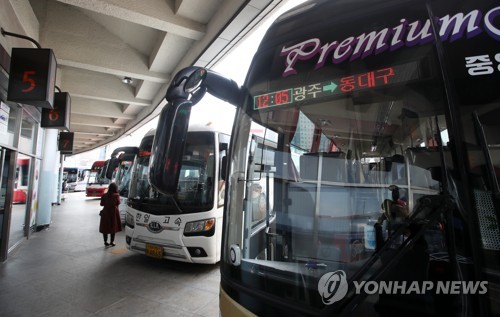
(450, 29)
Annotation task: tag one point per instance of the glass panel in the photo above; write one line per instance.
(224, 140)
(34, 195)
(349, 152)
(481, 126)
(4, 171)
(20, 199)
(195, 191)
(123, 177)
(28, 133)
(8, 120)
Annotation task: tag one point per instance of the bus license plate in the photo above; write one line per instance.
(154, 251)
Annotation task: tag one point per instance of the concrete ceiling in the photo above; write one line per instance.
(99, 42)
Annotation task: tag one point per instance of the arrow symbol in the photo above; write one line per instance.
(330, 87)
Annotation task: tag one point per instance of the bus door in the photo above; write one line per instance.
(472, 75)
(259, 214)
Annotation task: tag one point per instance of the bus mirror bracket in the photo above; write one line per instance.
(171, 133)
(186, 89)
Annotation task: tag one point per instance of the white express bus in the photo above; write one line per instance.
(384, 177)
(188, 226)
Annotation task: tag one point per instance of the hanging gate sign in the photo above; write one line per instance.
(59, 116)
(32, 77)
(65, 144)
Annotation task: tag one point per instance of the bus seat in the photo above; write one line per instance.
(302, 197)
(395, 165)
(333, 166)
(334, 203)
(301, 218)
(422, 162)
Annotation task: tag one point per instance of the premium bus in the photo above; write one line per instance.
(97, 185)
(187, 227)
(119, 169)
(385, 175)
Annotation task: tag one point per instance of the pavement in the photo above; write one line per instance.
(65, 270)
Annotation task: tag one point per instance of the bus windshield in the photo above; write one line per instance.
(95, 177)
(196, 184)
(71, 176)
(123, 177)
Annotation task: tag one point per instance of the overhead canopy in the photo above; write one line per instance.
(98, 43)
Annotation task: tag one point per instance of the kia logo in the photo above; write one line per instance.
(155, 227)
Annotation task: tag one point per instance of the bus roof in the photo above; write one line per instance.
(98, 164)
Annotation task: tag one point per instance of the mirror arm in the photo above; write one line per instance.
(222, 88)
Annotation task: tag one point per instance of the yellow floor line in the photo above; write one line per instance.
(119, 251)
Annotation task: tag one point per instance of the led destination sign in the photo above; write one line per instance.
(339, 86)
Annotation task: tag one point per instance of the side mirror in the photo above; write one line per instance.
(223, 168)
(186, 89)
(102, 173)
(168, 147)
(111, 166)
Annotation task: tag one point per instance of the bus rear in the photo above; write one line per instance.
(188, 228)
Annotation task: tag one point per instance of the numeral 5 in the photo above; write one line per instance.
(27, 79)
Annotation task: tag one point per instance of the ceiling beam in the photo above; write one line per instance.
(98, 86)
(98, 108)
(156, 14)
(83, 43)
(164, 59)
(197, 10)
(99, 132)
(84, 120)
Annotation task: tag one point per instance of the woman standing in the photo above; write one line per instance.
(110, 215)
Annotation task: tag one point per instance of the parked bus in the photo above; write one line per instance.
(187, 227)
(385, 175)
(96, 184)
(75, 178)
(119, 169)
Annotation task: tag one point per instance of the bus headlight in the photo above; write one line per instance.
(129, 220)
(200, 228)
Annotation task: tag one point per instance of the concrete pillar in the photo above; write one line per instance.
(48, 179)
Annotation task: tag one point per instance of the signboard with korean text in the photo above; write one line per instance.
(32, 77)
(59, 116)
(385, 76)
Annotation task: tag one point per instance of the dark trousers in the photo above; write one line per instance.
(105, 236)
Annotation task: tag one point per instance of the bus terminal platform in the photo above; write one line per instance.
(65, 270)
